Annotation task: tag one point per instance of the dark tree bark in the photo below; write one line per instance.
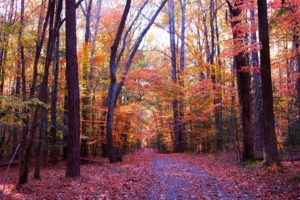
(296, 54)
(115, 89)
(298, 79)
(113, 84)
(21, 65)
(219, 109)
(66, 122)
(44, 92)
(205, 35)
(39, 45)
(24, 148)
(244, 87)
(175, 102)
(53, 129)
(271, 156)
(21, 58)
(216, 91)
(181, 77)
(3, 56)
(258, 132)
(73, 159)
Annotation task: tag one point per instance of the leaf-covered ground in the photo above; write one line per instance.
(146, 175)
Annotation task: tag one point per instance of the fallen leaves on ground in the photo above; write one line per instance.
(146, 175)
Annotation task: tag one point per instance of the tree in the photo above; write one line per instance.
(271, 156)
(182, 76)
(257, 128)
(73, 158)
(113, 83)
(53, 129)
(243, 81)
(174, 76)
(114, 88)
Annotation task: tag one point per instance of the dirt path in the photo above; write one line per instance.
(146, 175)
(174, 178)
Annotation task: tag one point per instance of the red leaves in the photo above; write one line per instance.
(255, 181)
(135, 178)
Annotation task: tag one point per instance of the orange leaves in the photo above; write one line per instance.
(99, 58)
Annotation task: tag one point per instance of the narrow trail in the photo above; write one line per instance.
(146, 175)
(174, 178)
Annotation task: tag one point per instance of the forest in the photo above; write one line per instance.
(149, 99)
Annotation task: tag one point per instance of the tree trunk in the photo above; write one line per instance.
(113, 84)
(175, 103)
(298, 79)
(39, 45)
(73, 159)
(115, 89)
(219, 109)
(271, 156)
(216, 91)
(181, 81)
(21, 65)
(44, 93)
(40, 143)
(53, 129)
(258, 132)
(244, 87)
(66, 122)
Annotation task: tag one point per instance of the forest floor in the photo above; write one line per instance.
(151, 176)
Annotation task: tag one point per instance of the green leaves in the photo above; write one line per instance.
(12, 109)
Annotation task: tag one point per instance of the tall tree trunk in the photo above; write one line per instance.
(215, 73)
(39, 45)
(53, 129)
(175, 103)
(3, 57)
(298, 79)
(244, 87)
(44, 92)
(258, 132)
(271, 156)
(181, 81)
(205, 32)
(24, 148)
(113, 85)
(65, 122)
(296, 55)
(73, 159)
(219, 89)
(21, 64)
